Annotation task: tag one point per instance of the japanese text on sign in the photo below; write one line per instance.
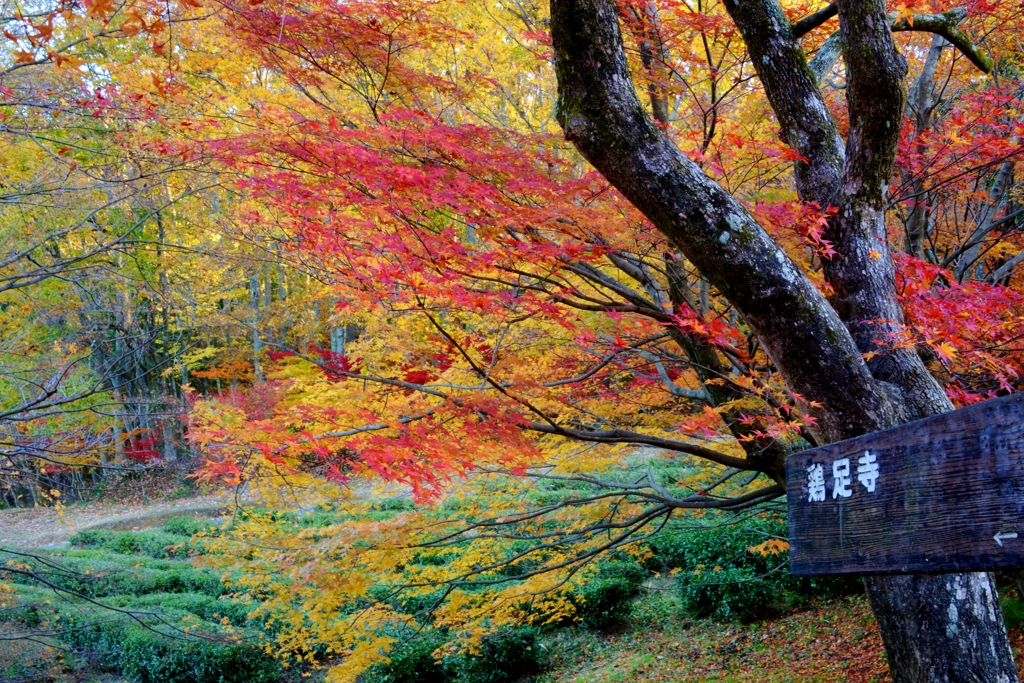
(842, 478)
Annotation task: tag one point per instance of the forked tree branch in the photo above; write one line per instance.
(600, 113)
(945, 24)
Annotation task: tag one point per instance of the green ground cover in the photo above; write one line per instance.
(702, 605)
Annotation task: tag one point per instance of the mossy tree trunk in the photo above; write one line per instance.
(936, 628)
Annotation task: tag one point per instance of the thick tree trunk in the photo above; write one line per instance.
(934, 627)
(942, 628)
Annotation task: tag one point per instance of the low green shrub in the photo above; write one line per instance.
(369, 516)
(418, 603)
(157, 544)
(605, 600)
(98, 574)
(555, 491)
(149, 658)
(434, 558)
(204, 607)
(721, 577)
(411, 660)
(314, 519)
(509, 655)
(29, 606)
(320, 517)
(168, 623)
(189, 526)
(500, 658)
(733, 594)
(725, 545)
(94, 538)
(205, 655)
(396, 504)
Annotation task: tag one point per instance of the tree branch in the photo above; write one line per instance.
(946, 25)
(826, 57)
(813, 21)
(626, 436)
(599, 111)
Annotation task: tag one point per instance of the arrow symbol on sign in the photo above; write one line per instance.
(998, 538)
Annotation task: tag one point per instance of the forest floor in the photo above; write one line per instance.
(828, 642)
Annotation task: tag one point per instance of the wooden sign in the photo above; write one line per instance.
(942, 494)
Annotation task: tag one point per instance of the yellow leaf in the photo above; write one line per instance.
(946, 351)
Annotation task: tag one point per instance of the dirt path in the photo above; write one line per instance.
(36, 527)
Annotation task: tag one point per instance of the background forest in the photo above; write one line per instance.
(339, 260)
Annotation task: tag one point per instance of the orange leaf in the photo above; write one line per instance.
(68, 62)
(99, 8)
(44, 31)
(904, 12)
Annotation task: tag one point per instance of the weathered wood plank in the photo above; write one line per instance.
(948, 495)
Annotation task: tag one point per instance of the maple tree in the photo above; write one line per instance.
(442, 288)
(489, 256)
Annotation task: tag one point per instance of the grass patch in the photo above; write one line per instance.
(171, 622)
(160, 544)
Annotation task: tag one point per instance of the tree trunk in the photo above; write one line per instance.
(257, 343)
(936, 628)
(942, 628)
(170, 450)
(919, 107)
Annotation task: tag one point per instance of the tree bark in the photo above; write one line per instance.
(920, 107)
(942, 628)
(817, 347)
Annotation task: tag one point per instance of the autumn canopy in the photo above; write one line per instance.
(330, 246)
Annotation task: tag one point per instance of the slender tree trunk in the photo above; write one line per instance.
(257, 343)
(934, 627)
(920, 107)
(167, 434)
(118, 436)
